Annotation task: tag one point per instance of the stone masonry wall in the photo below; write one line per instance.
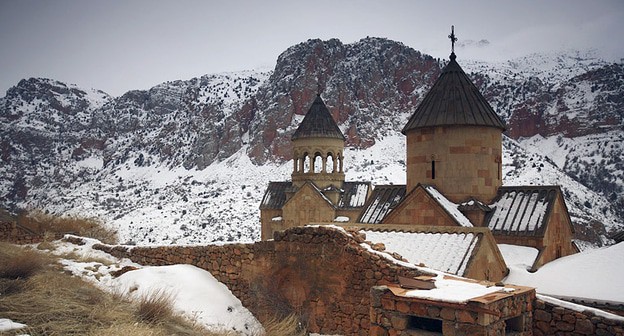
(16, 234)
(322, 274)
(394, 315)
(551, 319)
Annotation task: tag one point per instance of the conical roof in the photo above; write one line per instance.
(453, 100)
(318, 123)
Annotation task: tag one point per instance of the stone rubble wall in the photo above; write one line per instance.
(16, 234)
(550, 319)
(390, 315)
(322, 274)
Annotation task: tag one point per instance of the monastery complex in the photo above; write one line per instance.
(454, 207)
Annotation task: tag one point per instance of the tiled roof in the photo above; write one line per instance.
(441, 248)
(318, 123)
(521, 210)
(354, 194)
(383, 199)
(275, 195)
(453, 100)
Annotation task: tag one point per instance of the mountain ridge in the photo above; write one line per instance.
(54, 138)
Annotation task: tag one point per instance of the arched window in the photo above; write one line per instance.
(306, 163)
(330, 165)
(318, 163)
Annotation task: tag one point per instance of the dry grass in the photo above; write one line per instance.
(288, 326)
(40, 222)
(22, 265)
(52, 302)
(155, 306)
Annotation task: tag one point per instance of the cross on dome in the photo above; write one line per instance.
(453, 40)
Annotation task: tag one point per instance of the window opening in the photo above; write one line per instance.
(423, 323)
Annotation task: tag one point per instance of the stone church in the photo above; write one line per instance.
(454, 179)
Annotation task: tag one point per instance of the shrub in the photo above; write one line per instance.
(21, 266)
(41, 222)
(155, 306)
(288, 326)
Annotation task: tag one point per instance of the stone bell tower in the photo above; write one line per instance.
(454, 139)
(318, 146)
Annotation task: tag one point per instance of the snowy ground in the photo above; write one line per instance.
(197, 295)
(595, 274)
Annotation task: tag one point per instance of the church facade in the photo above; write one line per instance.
(454, 178)
(317, 191)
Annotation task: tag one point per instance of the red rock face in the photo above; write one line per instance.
(365, 85)
(586, 104)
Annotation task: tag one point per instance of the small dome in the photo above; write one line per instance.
(318, 123)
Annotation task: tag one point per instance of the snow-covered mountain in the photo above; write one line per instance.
(188, 161)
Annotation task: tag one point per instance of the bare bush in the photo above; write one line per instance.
(22, 265)
(41, 222)
(155, 306)
(288, 326)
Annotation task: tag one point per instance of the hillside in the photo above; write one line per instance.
(188, 161)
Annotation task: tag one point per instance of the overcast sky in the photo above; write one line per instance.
(119, 45)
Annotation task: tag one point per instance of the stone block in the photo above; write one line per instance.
(542, 315)
(387, 304)
(569, 318)
(543, 326)
(403, 307)
(399, 322)
(465, 316)
(564, 326)
(433, 312)
(448, 314)
(584, 326)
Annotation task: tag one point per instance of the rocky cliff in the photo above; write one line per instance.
(57, 138)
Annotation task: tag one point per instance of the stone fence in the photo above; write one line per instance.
(18, 234)
(323, 274)
(550, 318)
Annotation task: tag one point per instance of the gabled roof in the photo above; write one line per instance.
(318, 123)
(522, 210)
(383, 199)
(447, 249)
(451, 208)
(453, 100)
(275, 195)
(352, 194)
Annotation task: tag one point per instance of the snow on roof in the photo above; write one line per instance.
(518, 256)
(521, 210)
(353, 194)
(580, 308)
(449, 206)
(455, 290)
(381, 202)
(275, 195)
(594, 275)
(446, 252)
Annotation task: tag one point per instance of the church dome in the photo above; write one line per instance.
(454, 101)
(318, 123)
